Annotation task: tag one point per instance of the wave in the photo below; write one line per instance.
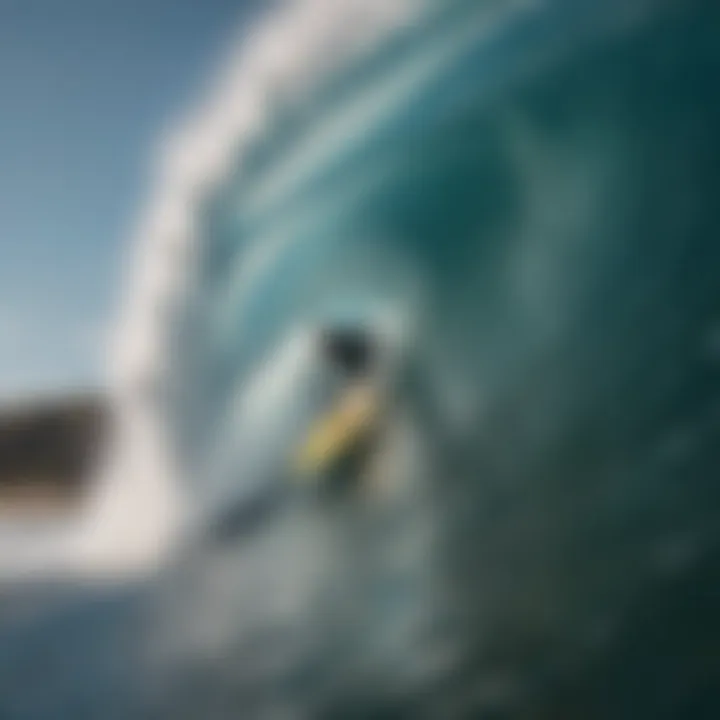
(279, 62)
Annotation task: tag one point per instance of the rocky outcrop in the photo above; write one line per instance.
(46, 449)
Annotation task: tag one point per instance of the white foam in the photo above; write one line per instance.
(134, 517)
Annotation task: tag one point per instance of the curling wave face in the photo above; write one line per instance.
(530, 187)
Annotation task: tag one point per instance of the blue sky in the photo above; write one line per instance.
(86, 88)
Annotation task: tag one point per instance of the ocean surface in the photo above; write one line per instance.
(528, 194)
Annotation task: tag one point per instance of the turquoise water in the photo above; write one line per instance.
(529, 191)
(413, 179)
(533, 188)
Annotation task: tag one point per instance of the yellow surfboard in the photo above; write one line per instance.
(339, 431)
